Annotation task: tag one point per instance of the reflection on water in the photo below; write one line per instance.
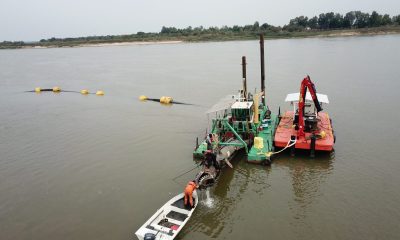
(307, 177)
(225, 197)
(212, 220)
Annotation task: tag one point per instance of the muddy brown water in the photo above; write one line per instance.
(91, 167)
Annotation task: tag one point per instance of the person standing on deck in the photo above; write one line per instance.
(189, 189)
(209, 141)
(210, 159)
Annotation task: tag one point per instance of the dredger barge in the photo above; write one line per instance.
(242, 121)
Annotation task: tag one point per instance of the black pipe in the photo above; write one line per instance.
(51, 90)
(244, 77)
(316, 102)
(293, 147)
(173, 102)
(262, 68)
(312, 146)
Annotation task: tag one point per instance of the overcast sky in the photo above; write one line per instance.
(36, 19)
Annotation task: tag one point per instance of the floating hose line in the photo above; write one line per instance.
(183, 103)
(58, 90)
(182, 174)
(288, 145)
(68, 91)
(41, 90)
(188, 171)
(162, 100)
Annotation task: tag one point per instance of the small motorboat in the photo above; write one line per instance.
(169, 220)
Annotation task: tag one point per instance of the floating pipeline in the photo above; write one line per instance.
(38, 89)
(163, 100)
(58, 90)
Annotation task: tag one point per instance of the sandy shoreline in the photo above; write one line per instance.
(356, 33)
(108, 44)
(127, 43)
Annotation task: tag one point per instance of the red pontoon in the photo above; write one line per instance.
(306, 125)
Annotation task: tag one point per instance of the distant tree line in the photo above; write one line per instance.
(297, 27)
(330, 20)
(254, 28)
(325, 21)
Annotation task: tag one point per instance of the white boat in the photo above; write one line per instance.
(169, 220)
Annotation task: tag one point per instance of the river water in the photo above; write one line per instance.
(97, 167)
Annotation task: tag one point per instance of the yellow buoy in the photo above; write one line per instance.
(143, 98)
(38, 89)
(100, 93)
(85, 91)
(56, 89)
(166, 100)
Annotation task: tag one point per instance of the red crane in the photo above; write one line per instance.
(305, 130)
(306, 84)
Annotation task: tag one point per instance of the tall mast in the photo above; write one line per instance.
(244, 78)
(262, 68)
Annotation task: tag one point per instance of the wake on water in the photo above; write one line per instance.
(207, 200)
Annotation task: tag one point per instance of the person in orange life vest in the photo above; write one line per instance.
(189, 189)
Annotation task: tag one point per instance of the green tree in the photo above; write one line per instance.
(265, 26)
(386, 20)
(164, 30)
(323, 21)
(336, 21)
(256, 27)
(236, 28)
(375, 20)
(361, 19)
(349, 19)
(396, 19)
(313, 22)
(299, 22)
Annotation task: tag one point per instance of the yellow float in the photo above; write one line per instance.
(99, 93)
(56, 89)
(143, 98)
(166, 100)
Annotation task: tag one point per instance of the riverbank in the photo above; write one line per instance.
(153, 38)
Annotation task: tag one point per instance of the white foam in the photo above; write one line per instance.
(208, 201)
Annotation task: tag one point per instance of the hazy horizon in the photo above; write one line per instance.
(42, 19)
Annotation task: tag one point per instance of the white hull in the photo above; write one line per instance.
(169, 220)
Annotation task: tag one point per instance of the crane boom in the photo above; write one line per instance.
(306, 84)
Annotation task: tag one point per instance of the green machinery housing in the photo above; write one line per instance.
(242, 121)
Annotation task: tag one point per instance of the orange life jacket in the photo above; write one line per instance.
(190, 187)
